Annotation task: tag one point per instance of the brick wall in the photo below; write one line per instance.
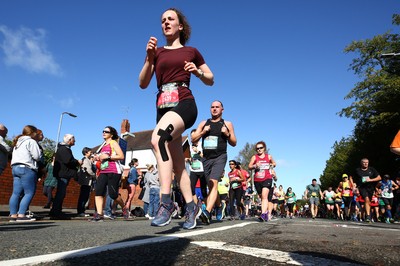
(70, 201)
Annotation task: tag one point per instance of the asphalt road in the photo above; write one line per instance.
(119, 242)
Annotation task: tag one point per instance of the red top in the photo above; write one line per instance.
(233, 176)
(169, 67)
(263, 173)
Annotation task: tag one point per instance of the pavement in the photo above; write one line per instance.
(43, 214)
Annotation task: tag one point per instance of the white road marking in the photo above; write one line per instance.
(272, 255)
(93, 250)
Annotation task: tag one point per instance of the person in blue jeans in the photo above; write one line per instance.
(25, 160)
(154, 185)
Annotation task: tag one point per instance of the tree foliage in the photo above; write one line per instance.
(48, 146)
(375, 108)
(245, 155)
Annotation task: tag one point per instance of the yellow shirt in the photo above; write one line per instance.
(222, 188)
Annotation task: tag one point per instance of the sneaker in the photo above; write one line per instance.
(97, 218)
(232, 218)
(13, 219)
(266, 216)
(147, 216)
(263, 217)
(109, 216)
(220, 212)
(29, 214)
(387, 221)
(25, 219)
(164, 214)
(367, 220)
(125, 213)
(191, 215)
(205, 217)
(242, 217)
(47, 206)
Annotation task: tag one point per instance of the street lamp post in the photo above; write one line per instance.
(59, 127)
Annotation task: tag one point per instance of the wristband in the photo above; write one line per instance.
(201, 74)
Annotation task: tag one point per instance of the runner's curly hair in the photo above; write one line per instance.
(184, 34)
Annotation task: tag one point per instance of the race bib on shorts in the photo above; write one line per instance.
(210, 143)
(169, 96)
(313, 194)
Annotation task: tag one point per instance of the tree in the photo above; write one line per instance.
(245, 155)
(375, 107)
(338, 163)
(48, 146)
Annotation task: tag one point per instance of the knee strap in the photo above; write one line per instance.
(165, 135)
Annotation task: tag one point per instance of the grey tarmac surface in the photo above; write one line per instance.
(135, 242)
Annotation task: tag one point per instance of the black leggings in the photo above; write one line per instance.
(347, 204)
(203, 183)
(236, 194)
(110, 180)
(290, 207)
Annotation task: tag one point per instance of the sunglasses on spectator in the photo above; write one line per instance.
(105, 131)
(259, 148)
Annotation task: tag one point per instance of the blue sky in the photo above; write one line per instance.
(279, 69)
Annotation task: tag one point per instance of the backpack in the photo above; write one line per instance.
(137, 212)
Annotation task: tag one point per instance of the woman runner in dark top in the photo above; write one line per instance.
(173, 65)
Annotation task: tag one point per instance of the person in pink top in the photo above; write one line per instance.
(263, 163)
(109, 154)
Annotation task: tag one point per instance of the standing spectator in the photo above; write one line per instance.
(50, 182)
(41, 164)
(366, 178)
(387, 186)
(25, 159)
(85, 179)
(65, 168)
(216, 133)
(4, 148)
(263, 163)
(395, 145)
(173, 65)
(145, 194)
(313, 192)
(154, 185)
(109, 154)
(133, 181)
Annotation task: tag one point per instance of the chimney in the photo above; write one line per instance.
(125, 126)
